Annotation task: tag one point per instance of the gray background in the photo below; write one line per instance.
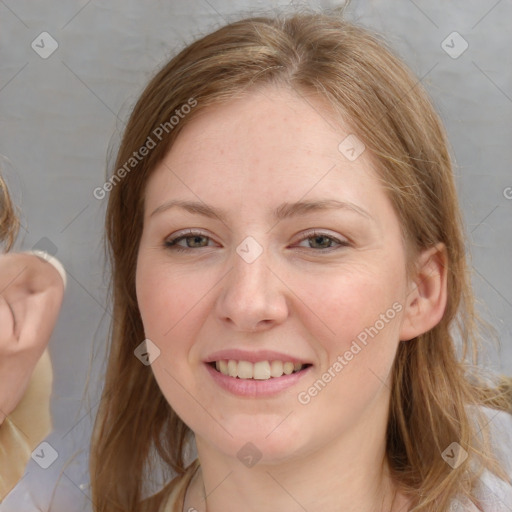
(60, 115)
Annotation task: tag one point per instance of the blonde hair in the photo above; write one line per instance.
(9, 223)
(433, 389)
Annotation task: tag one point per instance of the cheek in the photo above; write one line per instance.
(167, 298)
(350, 301)
(169, 302)
(363, 310)
(367, 326)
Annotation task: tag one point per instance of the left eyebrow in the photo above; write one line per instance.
(287, 210)
(283, 211)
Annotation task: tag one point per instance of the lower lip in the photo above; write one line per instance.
(255, 388)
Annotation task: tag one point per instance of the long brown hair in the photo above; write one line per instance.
(9, 223)
(434, 388)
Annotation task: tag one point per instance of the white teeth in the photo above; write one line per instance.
(245, 370)
(232, 368)
(223, 366)
(276, 368)
(288, 368)
(262, 370)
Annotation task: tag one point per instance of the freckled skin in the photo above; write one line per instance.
(248, 157)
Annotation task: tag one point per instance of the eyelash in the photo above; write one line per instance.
(171, 243)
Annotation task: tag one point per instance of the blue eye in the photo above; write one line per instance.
(321, 238)
(197, 240)
(194, 236)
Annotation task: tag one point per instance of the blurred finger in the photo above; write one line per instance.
(40, 316)
(6, 325)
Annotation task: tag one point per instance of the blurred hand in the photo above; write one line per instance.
(31, 292)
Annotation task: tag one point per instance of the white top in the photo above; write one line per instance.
(54, 261)
(494, 494)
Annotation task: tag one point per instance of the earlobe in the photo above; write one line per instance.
(426, 301)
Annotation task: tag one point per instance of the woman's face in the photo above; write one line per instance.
(282, 277)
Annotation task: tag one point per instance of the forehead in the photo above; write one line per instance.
(270, 143)
(265, 119)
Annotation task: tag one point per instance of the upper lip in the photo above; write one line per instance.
(253, 356)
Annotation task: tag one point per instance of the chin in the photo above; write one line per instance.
(262, 441)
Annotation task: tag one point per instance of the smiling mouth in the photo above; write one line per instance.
(262, 370)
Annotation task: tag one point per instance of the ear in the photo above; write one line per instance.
(426, 301)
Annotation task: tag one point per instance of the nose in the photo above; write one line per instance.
(253, 297)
